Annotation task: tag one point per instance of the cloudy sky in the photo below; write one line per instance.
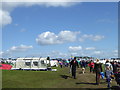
(59, 29)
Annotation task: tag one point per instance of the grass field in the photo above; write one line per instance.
(50, 79)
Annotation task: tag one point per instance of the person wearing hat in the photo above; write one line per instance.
(97, 70)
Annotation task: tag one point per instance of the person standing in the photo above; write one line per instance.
(117, 77)
(73, 65)
(98, 69)
(115, 66)
(61, 64)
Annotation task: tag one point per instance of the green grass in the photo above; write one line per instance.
(50, 79)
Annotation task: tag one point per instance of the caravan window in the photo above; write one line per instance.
(35, 63)
(27, 63)
(42, 62)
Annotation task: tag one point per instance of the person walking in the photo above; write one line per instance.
(73, 65)
(97, 70)
(108, 74)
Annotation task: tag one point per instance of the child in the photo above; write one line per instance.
(117, 77)
(108, 74)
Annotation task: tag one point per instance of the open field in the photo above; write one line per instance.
(50, 79)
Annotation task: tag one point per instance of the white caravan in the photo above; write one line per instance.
(30, 64)
(54, 63)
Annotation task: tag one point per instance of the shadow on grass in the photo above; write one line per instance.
(86, 83)
(103, 82)
(115, 87)
(90, 83)
(65, 76)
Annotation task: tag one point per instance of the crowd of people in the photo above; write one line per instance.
(109, 70)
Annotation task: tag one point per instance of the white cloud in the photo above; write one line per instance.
(60, 0)
(115, 51)
(5, 18)
(8, 6)
(90, 37)
(90, 48)
(5, 54)
(27, 3)
(74, 53)
(68, 36)
(15, 49)
(56, 54)
(1, 53)
(97, 52)
(75, 48)
(115, 55)
(23, 30)
(49, 38)
(20, 48)
(97, 37)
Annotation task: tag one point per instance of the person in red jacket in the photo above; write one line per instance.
(91, 65)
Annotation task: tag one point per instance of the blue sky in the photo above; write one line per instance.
(79, 29)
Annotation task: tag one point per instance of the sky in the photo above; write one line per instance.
(59, 30)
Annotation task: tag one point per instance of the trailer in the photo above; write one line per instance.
(30, 64)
